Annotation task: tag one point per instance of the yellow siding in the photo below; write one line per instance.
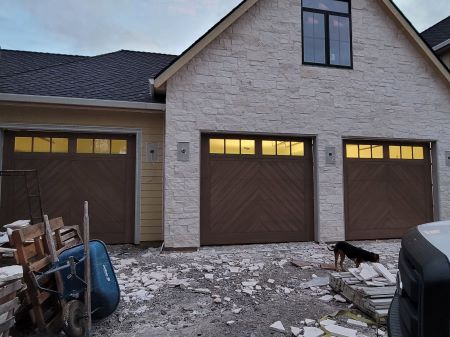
(151, 125)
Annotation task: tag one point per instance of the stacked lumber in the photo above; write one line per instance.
(373, 297)
(33, 254)
(10, 285)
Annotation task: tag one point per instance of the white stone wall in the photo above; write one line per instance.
(251, 79)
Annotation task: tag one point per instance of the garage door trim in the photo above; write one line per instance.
(91, 129)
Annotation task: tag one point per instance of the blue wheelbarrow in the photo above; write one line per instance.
(105, 292)
(87, 286)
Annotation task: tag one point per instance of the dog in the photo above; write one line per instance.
(358, 255)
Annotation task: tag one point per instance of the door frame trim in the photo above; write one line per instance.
(137, 132)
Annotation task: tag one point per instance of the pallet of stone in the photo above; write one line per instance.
(9, 302)
(373, 301)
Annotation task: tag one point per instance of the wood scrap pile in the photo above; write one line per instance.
(10, 285)
(370, 288)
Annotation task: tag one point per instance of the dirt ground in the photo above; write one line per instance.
(202, 293)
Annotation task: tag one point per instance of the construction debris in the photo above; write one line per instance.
(372, 300)
(295, 331)
(339, 331)
(355, 322)
(316, 282)
(278, 326)
(312, 332)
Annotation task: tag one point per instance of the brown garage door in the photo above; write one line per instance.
(256, 189)
(73, 168)
(388, 188)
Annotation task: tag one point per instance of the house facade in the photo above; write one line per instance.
(287, 121)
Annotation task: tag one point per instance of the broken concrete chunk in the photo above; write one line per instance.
(295, 331)
(249, 283)
(326, 298)
(157, 276)
(355, 322)
(271, 281)
(312, 332)
(236, 310)
(227, 299)
(339, 331)
(248, 291)
(230, 322)
(316, 282)
(367, 272)
(327, 322)
(278, 326)
(386, 273)
(340, 298)
(209, 276)
(202, 291)
(217, 300)
(309, 322)
(234, 269)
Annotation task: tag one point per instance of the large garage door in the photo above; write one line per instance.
(73, 168)
(388, 188)
(256, 189)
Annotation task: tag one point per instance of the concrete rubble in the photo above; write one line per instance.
(278, 326)
(241, 290)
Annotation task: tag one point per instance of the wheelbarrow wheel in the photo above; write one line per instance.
(74, 318)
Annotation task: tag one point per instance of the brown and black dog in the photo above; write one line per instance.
(342, 249)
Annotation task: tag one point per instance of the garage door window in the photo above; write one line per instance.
(364, 151)
(231, 146)
(283, 148)
(406, 152)
(41, 144)
(101, 146)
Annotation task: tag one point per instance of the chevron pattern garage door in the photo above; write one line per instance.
(388, 188)
(72, 168)
(256, 189)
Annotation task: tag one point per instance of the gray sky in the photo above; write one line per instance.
(90, 27)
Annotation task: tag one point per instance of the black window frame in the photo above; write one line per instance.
(327, 35)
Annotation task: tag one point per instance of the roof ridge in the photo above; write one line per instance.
(42, 52)
(147, 52)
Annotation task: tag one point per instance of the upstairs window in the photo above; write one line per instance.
(327, 33)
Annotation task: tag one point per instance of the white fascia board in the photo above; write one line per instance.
(81, 102)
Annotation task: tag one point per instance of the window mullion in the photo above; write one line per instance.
(327, 38)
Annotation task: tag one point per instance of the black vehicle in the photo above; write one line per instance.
(421, 306)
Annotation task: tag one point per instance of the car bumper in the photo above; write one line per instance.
(394, 328)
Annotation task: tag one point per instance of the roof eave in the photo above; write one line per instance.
(18, 98)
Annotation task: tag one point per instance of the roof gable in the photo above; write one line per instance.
(245, 5)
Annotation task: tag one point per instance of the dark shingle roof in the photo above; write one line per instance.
(120, 76)
(438, 33)
(14, 62)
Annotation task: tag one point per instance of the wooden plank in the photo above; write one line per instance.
(10, 288)
(8, 306)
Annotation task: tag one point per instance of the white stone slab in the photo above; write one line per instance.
(295, 331)
(312, 332)
(278, 326)
(355, 322)
(339, 331)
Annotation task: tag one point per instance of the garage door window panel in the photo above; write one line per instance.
(119, 146)
(60, 145)
(232, 146)
(247, 146)
(102, 146)
(364, 151)
(23, 144)
(85, 145)
(41, 144)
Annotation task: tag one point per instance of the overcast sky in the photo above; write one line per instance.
(90, 27)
